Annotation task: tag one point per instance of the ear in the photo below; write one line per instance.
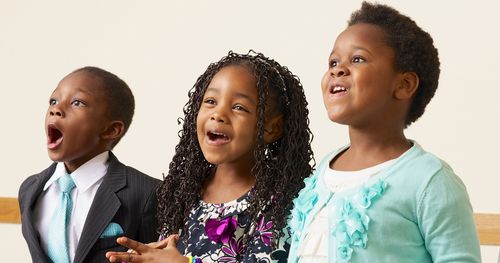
(409, 84)
(113, 131)
(273, 129)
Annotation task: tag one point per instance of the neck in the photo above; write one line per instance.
(377, 139)
(228, 183)
(370, 147)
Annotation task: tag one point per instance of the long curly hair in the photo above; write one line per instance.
(280, 167)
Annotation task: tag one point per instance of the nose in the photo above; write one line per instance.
(56, 111)
(339, 71)
(219, 115)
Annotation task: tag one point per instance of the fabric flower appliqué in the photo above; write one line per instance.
(220, 230)
(302, 206)
(351, 221)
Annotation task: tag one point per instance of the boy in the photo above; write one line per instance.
(382, 198)
(89, 112)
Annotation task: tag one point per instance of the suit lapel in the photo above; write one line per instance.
(103, 208)
(27, 218)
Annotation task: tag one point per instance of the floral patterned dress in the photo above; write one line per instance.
(222, 233)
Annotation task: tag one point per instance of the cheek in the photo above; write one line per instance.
(249, 131)
(324, 81)
(199, 126)
(46, 122)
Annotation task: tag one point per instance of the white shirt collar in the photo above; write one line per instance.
(84, 176)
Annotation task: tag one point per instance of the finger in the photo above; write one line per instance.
(132, 251)
(137, 246)
(159, 244)
(173, 236)
(122, 257)
(172, 241)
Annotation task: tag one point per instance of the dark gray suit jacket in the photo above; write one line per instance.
(126, 197)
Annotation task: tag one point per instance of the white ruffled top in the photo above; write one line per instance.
(314, 248)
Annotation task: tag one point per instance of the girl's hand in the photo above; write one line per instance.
(158, 244)
(161, 251)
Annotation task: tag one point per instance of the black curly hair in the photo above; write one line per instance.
(413, 48)
(280, 167)
(119, 98)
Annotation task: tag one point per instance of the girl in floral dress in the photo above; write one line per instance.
(243, 154)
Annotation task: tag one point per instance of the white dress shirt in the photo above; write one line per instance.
(88, 177)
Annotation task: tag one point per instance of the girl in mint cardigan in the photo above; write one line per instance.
(382, 198)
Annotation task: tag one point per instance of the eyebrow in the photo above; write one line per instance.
(86, 91)
(354, 47)
(238, 95)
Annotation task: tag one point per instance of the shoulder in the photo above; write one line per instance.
(432, 172)
(418, 168)
(431, 179)
(135, 174)
(28, 182)
(32, 181)
(417, 179)
(134, 177)
(33, 185)
(442, 185)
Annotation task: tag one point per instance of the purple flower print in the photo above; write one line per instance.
(232, 251)
(263, 231)
(220, 230)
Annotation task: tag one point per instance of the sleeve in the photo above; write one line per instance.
(149, 224)
(23, 191)
(446, 219)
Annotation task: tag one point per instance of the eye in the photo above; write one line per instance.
(333, 63)
(52, 102)
(77, 103)
(239, 107)
(358, 59)
(209, 101)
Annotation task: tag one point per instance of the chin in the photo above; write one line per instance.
(337, 119)
(55, 157)
(211, 159)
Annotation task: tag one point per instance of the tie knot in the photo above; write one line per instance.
(66, 183)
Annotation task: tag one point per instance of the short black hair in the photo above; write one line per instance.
(413, 48)
(119, 98)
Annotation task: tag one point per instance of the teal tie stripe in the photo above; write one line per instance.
(58, 230)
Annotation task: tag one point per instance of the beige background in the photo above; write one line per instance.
(161, 47)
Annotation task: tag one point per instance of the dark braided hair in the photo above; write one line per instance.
(413, 49)
(280, 167)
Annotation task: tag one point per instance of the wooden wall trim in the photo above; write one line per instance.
(488, 225)
(9, 210)
(488, 228)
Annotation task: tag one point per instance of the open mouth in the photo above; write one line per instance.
(217, 137)
(54, 137)
(338, 90)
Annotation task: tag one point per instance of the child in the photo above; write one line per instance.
(382, 198)
(89, 112)
(244, 151)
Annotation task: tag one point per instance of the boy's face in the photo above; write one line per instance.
(75, 120)
(227, 120)
(359, 84)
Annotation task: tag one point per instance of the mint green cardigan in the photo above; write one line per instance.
(416, 210)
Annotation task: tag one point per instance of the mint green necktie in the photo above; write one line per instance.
(58, 230)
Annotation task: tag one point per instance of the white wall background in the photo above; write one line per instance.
(160, 47)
